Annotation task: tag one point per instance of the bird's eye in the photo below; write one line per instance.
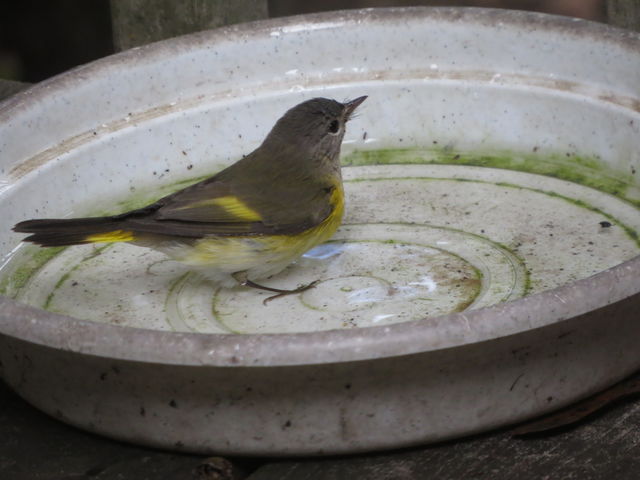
(334, 127)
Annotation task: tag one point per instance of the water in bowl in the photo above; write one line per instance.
(426, 233)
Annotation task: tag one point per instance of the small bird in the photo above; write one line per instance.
(247, 222)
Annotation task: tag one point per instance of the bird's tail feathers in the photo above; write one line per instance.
(74, 231)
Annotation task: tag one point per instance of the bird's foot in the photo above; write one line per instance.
(241, 278)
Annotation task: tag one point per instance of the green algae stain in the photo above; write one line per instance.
(30, 261)
(630, 232)
(62, 280)
(52, 293)
(583, 170)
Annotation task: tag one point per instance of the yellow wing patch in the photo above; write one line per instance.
(231, 205)
(114, 236)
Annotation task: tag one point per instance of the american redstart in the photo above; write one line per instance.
(247, 222)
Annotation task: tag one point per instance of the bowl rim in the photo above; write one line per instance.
(453, 330)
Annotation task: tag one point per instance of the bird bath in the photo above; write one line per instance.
(487, 270)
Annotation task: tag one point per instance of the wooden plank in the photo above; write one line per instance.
(624, 13)
(35, 446)
(137, 22)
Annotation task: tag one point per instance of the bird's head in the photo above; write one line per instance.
(315, 127)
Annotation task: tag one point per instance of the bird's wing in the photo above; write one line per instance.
(219, 206)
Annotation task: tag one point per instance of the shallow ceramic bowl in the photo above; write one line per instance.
(487, 270)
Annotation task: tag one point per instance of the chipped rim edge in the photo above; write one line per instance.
(66, 333)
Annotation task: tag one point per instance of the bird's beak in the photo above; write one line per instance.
(351, 105)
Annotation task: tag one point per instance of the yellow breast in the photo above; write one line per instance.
(296, 245)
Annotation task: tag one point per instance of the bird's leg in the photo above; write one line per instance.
(241, 278)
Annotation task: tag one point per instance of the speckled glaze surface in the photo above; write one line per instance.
(487, 270)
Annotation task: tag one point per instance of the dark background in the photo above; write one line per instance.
(39, 39)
